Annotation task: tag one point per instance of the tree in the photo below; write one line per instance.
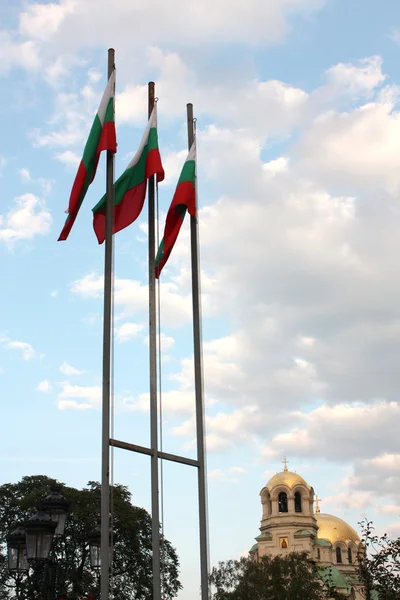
(291, 577)
(379, 565)
(70, 570)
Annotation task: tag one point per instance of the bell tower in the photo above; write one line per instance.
(288, 522)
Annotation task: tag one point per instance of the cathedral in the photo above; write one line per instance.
(289, 524)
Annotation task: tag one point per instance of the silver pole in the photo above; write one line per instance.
(155, 505)
(198, 383)
(105, 441)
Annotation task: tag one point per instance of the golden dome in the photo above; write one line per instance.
(286, 478)
(332, 529)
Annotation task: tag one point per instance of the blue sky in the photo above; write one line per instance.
(297, 104)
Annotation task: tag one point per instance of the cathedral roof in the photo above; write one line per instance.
(335, 577)
(333, 529)
(286, 478)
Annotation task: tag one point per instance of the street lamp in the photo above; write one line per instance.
(16, 544)
(39, 536)
(94, 541)
(57, 507)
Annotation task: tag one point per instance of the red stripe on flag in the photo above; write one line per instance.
(125, 213)
(74, 202)
(108, 138)
(185, 196)
(154, 165)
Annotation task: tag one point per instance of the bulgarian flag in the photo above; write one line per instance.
(101, 137)
(184, 200)
(130, 188)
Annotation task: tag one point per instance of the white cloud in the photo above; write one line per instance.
(215, 475)
(379, 477)
(58, 73)
(167, 342)
(176, 401)
(348, 499)
(27, 351)
(391, 509)
(44, 386)
(71, 119)
(356, 79)
(29, 218)
(41, 21)
(173, 163)
(79, 397)
(219, 475)
(14, 53)
(127, 331)
(25, 175)
(342, 431)
(305, 299)
(237, 470)
(54, 293)
(69, 158)
(395, 35)
(260, 108)
(131, 297)
(278, 165)
(358, 148)
(76, 24)
(69, 370)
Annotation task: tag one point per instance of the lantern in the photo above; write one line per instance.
(57, 507)
(39, 536)
(16, 545)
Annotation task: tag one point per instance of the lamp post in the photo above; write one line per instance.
(34, 543)
(31, 543)
(94, 541)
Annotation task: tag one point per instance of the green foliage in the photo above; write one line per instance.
(290, 577)
(379, 567)
(70, 574)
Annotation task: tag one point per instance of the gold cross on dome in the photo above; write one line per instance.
(285, 462)
(317, 501)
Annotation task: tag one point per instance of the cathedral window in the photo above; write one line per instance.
(339, 555)
(282, 502)
(349, 555)
(318, 553)
(297, 502)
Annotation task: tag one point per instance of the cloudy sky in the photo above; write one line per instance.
(297, 106)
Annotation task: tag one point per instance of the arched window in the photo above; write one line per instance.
(266, 502)
(349, 555)
(339, 555)
(297, 502)
(319, 553)
(282, 502)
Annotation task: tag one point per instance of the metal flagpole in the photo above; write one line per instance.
(155, 502)
(198, 382)
(105, 442)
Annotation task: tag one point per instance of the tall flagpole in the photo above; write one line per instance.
(105, 440)
(155, 502)
(198, 384)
